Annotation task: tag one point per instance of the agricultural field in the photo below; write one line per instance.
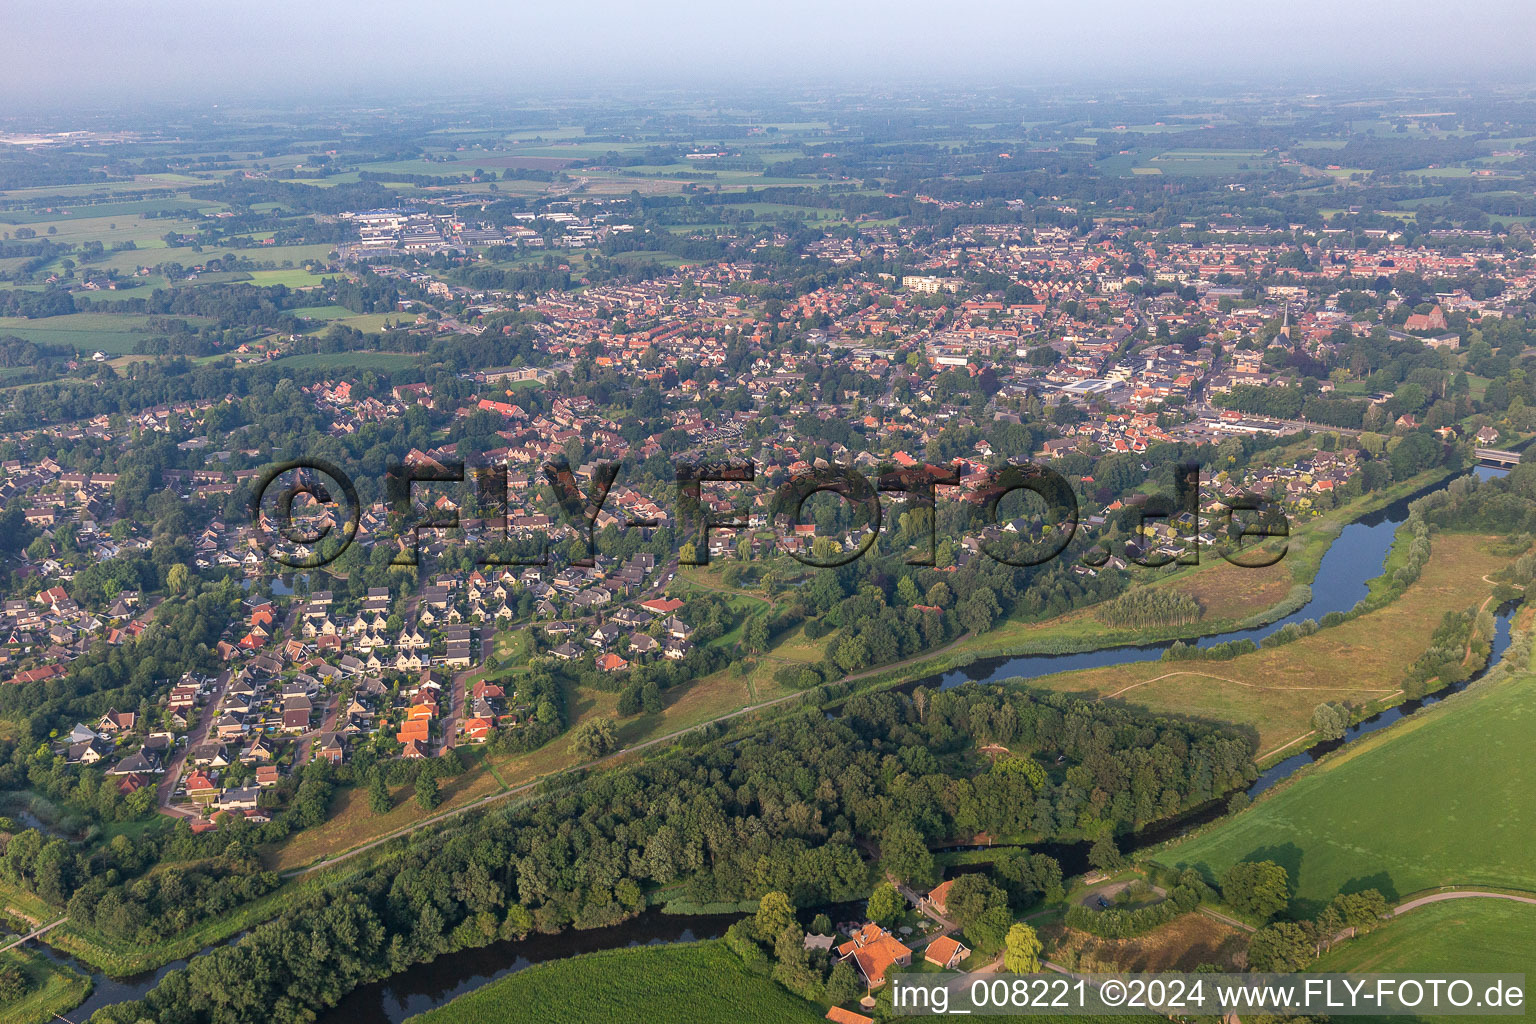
(698, 983)
(1495, 935)
(1444, 798)
(114, 334)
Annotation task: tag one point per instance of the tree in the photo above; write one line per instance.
(1282, 947)
(629, 701)
(774, 914)
(13, 983)
(886, 905)
(1330, 720)
(1358, 909)
(176, 578)
(427, 796)
(378, 794)
(1021, 950)
(970, 896)
(594, 737)
(979, 611)
(905, 855)
(821, 924)
(1260, 888)
(1105, 855)
(756, 637)
(842, 984)
(989, 932)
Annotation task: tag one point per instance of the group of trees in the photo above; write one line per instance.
(169, 901)
(1144, 607)
(1287, 946)
(772, 942)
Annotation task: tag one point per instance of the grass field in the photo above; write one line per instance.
(1460, 935)
(1447, 797)
(326, 313)
(90, 331)
(54, 989)
(353, 822)
(1274, 691)
(697, 983)
(292, 278)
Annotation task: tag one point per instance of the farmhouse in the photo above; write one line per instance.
(874, 951)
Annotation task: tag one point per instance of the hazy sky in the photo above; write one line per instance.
(110, 52)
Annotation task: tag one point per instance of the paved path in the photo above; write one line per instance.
(306, 739)
(1459, 894)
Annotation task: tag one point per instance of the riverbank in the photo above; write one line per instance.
(1081, 631)
(52, 989)
(1272, 692)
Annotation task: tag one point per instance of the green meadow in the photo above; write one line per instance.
(698, 983)
(1445, 798)
(1494, 936)
(90, 331)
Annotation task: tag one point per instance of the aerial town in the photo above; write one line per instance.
(818, 555)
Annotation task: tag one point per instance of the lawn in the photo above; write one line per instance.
(696, 983)
(1274, 691)
(53, 989)
(1446, 798)
(1484, 936)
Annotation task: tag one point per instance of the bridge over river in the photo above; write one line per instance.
(1497, 456)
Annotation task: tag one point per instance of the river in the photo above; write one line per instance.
(1352, 560)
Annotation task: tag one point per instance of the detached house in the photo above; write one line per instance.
(874, 951)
